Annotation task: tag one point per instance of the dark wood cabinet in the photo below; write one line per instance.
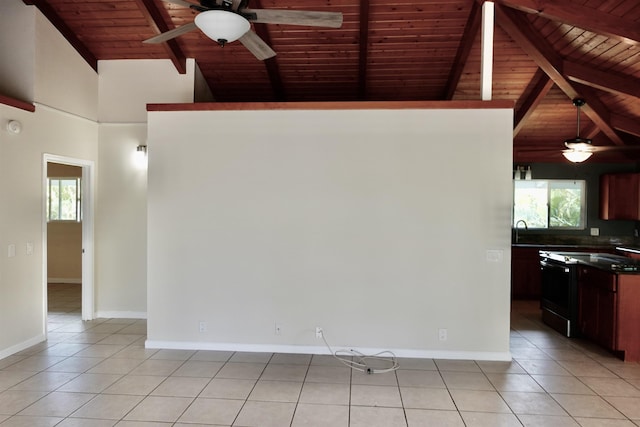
(620, 196)
(526, 280)
(597, 305)
(525, 273)
(608, 310)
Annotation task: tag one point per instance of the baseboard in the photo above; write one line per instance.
(54, 280)
(22, 346)
(106, 314)
(272, 348)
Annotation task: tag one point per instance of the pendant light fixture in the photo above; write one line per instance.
(222, 26)
(578, 148)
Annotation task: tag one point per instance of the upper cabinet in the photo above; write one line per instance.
(620, 196)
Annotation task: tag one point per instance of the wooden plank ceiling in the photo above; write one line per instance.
(546, 52)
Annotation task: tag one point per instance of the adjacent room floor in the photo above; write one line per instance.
(98, 373)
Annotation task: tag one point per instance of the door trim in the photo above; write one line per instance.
(88, 204)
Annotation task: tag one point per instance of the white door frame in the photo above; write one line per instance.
(88, 191)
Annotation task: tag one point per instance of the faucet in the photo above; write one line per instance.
(516, 228)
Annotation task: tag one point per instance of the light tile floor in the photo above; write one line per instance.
(98, 373)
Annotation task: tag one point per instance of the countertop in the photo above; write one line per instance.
(604, 261)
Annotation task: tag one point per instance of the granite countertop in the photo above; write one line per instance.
(614, 263)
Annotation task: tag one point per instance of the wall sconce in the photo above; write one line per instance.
(141, 156)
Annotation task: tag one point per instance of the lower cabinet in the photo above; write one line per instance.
(608, 310)
(597, 306)
(525, 273)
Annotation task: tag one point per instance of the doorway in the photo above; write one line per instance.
(87, 244)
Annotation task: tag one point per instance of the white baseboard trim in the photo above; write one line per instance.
(22, 346)
(107, 314)
(276, 348)
(53, 280)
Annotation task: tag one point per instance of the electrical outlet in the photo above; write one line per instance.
(318, 332)
(202, 327)
(278, 329)
(442, 334)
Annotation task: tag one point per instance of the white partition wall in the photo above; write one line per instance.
(382, 226)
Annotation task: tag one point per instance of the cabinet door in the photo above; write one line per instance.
(525, 273)
(620, 196)
(597, 299)
(587, 304)
(606, 328)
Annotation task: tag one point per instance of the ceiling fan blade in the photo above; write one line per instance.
(256, 45)
(171, 34)
(295, 17)
(181, 3)
(599, 148)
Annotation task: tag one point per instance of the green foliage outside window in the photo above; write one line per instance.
(63, 199)
(549, 203)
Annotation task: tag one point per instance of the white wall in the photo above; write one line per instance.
(121, 228)
(17, 26)
(374, 225)
(22, 277)
(127, 86)
(63, 79)
(59, 89)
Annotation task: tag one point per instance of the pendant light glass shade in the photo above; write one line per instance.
(221, 25)
(576, 156)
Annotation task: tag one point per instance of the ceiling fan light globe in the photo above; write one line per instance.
(576, 156)
(222, 25)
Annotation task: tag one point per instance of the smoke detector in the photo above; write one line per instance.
(14, 126)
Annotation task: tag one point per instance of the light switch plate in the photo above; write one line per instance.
(11, 250)
(494, 255)
(595, 231)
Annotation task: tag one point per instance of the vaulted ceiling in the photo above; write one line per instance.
(546, 53)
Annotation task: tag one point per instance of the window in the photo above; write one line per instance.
(549, 203)
(63, 199)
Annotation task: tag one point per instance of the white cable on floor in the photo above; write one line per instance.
(359, 363)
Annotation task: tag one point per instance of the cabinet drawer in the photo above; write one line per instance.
(603, 280)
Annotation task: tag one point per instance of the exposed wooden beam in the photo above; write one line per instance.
(66, 32)
(625, 124)
(584, 17)
(590, 132)
(363, 49)
(520, 30)
(17, 103)
(155, 19)
(541, 86)
(601, 80)
(464, 49)
(271, 64)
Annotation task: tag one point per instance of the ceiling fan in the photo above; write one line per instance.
(579, 149)
(226, 21)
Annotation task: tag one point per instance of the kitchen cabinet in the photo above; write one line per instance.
(620, 196)
(525, 269)
(608, 310)
(597, 305)
(525, 273)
